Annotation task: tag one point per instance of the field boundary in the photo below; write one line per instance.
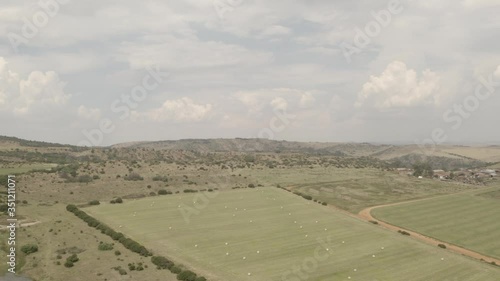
(365, 214)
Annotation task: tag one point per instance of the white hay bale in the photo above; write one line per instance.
(373, 256)
(343, 242)
(382, 248)
(244, 258)
(196, 246)
(301, 226)
(249, 273)
(355, 270)
(226, 243)
(306, 235)
(227, 254)
(258, 252)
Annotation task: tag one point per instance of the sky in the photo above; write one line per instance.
(101, 72)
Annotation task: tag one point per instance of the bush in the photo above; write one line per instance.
(200, 279)
(175, 270)
(117, 253)
(374, 222)
(186, 275)
(94, 202)
(324, 204)
(251, 185)
(162, 262)
(73, 258)
(133, 177)
(105, 247)
(404, 232)
(160, 178)
(443, 246)
(119, 200)
(29, 249)
(68, 264)
(307, 197)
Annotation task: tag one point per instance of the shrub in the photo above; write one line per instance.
(200, 279)
(251, 185)
(119, 200)
(186, 275)
(73, 258)
(307, 197)
(443, 246)
(162, 192)
(94, 202)
(175, 270)
(374, 222)
(162, 262)
(29, 249)
(133, 177)
(324, 204)
(404, 232)
(105, 246)
(68, 264)
(117, 253)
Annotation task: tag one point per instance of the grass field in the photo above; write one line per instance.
(468, 220)
(23, 168)
(302, 240)
(356, 189)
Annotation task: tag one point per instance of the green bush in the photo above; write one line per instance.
(105, 246)
(175, 270)
(443, 246)
(186, 275)
(29, 249)
(94, 202)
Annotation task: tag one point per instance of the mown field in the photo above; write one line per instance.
(275, 235)
(356, 189)
(469, 220)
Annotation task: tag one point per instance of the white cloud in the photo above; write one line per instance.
(38, 91)
(279, 103)
(256, 101)
(89, 113)
(172, 52)
(307, 100)
(180, 110)
(399, 86)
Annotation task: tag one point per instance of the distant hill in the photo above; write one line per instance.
(442, 156)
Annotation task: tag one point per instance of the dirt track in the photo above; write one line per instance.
(366, 215)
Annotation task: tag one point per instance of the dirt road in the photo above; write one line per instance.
(366, 215)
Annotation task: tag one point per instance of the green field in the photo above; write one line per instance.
(270, 242)
(23, 168)
(356, 189)
(468, 220)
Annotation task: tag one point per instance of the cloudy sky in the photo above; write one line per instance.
(99, 72)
